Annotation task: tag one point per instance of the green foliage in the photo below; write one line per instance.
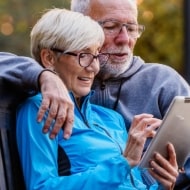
(163, 38)
(16, 20)
(161, 42)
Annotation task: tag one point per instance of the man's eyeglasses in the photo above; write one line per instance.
(113, 28)
(85, 59)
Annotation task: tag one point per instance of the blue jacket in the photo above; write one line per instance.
(94, 151)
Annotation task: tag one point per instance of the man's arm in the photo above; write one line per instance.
(57, 100)
(21, 71)
(29, 76)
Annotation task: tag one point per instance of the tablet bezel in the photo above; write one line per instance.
(175, 128)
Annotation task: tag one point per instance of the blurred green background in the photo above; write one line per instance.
(162, 41)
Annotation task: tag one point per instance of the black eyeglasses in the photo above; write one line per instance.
(85, 59)
(113, 28)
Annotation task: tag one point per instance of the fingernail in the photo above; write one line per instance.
(66, 136)
(45, 130)
(156, 155)
(52, 136)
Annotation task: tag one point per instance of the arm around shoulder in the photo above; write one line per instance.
(20, 71)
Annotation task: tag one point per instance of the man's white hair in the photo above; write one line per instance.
(65, 30)
(83, 6)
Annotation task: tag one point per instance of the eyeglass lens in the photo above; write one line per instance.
(85, 59)
(114, 28)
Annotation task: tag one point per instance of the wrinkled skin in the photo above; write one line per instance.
(57, 100)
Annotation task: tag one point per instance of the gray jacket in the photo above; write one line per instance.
(18, 79)
(143, 88)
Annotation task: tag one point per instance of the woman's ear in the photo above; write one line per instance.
(47, 58)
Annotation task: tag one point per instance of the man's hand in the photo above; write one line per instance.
(55, 99)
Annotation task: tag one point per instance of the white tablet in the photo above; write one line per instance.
(175, 128)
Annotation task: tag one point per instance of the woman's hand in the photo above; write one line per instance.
(142, 127)
(165, 170)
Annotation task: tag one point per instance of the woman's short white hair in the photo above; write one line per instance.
(65, 30)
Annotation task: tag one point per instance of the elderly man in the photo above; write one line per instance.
(126, 84)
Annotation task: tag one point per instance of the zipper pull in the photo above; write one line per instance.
(103, 85)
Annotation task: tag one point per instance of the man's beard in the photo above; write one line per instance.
(113, 69)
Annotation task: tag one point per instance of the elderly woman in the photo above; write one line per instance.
(68, 43)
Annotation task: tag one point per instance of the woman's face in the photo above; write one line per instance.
(77, 79)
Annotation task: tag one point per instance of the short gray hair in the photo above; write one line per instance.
(83, 6)
(66, 30)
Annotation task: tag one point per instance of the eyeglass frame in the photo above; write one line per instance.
(81, 53)
(140, 27)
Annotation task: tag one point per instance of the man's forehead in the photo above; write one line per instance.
(120, 10)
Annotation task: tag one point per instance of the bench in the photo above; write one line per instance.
(11, 177)
(10, 171)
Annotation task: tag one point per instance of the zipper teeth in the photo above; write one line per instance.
(78, 108)
(84, 119)
(110, 136)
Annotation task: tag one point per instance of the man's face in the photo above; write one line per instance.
(119, 45)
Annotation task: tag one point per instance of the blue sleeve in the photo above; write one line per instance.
(38, 154)
(21, 71)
